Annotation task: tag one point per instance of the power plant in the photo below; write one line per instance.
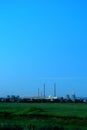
(42, 96)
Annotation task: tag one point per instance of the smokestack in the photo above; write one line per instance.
(54, 89)
(38, 92)
(44, 90)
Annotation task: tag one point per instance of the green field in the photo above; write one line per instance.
(43, 116)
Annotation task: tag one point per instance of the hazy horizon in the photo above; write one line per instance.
(43, 42)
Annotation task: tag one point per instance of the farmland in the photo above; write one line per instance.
(43, 116)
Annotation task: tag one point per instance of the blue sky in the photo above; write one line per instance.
(43, 41)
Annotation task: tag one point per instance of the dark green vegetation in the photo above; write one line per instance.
(43, 116)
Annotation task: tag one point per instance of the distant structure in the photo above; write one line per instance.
(38, 93)
(44, 91)
(54, 89)
(73, 97)
(54, 97)
(67, 97)
(42, 97)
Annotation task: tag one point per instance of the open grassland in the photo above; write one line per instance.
(43, 116)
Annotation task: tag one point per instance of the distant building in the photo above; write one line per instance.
(73, 97)
(3, 99)
(51, 98)
(67, 97)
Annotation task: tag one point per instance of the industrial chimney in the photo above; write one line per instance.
(44, 90)
(54, 89)
(38, 93)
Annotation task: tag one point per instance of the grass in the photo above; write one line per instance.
(39, 115)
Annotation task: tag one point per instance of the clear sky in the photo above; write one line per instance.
(43, 41)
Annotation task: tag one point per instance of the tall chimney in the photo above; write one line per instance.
(54, 89)
(44, 90)
(38, 92)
